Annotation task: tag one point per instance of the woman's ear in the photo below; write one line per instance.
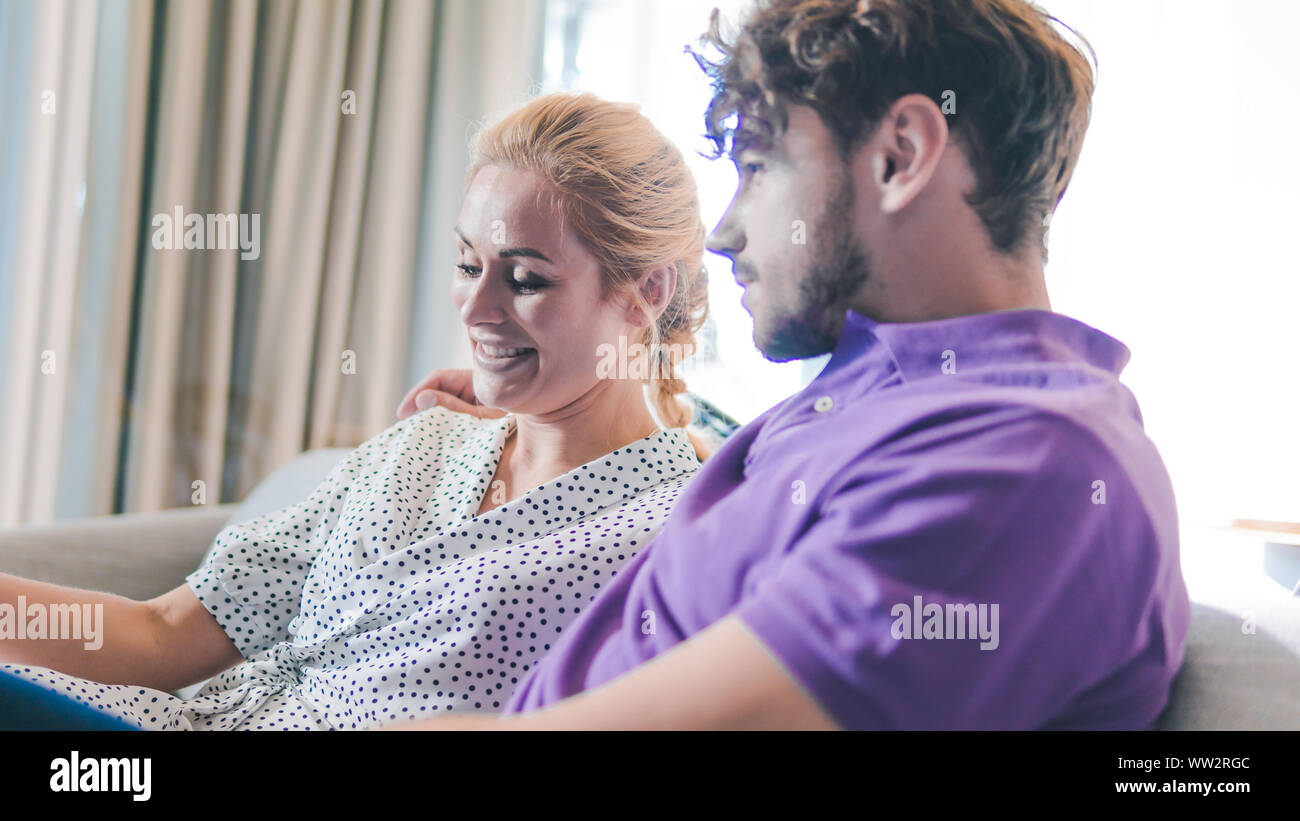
(656, 286)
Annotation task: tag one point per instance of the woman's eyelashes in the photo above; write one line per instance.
(529, 284)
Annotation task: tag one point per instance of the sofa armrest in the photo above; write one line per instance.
(138, 555)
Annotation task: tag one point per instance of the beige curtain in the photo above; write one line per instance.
(338, 128)
(41, 266)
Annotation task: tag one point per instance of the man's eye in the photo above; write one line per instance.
(469, 270)
(752, 167)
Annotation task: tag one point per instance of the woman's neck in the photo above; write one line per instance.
(611, 415)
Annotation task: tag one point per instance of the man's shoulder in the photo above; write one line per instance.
(998, 444)
(992, 421)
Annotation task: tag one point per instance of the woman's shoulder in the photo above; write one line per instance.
(432, 432)
(441, 420)
(663, 465)
(669, 454)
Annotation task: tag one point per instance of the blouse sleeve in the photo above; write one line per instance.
(252, 579)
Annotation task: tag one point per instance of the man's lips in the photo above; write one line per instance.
(744, 276)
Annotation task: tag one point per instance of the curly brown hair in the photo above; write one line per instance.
(1022, 91)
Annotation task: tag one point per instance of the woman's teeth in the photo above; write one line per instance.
(503, 353)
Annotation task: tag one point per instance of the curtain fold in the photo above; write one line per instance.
(42, 272)
(338, 129)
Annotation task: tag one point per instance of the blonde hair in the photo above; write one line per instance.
(626, 191)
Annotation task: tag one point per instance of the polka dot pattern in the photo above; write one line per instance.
(384, 597)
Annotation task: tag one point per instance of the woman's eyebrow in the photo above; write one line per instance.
(522, 251)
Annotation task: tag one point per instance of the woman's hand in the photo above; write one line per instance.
(453, 388)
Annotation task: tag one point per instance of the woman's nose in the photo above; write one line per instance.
(481, 302)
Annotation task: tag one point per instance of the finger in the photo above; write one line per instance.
(407, 405)
(458, 382)
(458, 405)
(448, 382)
(430, 398)
(426, 399)
(433, 382)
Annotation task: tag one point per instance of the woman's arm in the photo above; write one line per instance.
(165, 643)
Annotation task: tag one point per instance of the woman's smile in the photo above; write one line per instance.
(499, 358)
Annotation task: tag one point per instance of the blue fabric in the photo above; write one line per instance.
(28, 706)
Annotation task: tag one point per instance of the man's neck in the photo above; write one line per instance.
(973, 282)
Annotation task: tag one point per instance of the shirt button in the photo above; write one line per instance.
(823, 404)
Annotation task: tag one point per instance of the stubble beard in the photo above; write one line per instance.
(836, 273)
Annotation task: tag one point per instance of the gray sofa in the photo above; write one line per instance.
(1242, 669)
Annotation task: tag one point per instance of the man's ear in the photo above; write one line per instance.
(657, 286)
(906, 150)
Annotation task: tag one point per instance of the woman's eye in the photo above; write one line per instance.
(753, 167)
(529, 285)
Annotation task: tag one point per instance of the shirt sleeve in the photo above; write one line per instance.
(252, 579)
(999, 512)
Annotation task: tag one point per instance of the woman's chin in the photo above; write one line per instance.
(490, 392)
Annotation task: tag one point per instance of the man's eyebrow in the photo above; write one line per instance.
(522, 251)
(752, 141)
(743, 140)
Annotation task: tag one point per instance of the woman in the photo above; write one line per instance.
(439, 560)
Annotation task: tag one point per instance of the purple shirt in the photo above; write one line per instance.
(957, 524)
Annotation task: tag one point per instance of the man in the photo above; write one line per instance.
(960, 522)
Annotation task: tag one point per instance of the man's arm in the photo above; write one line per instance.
(723, 678)
(452, 388)
(1000, 520)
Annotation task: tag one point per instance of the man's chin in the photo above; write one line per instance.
(791, 341)
(775, 354)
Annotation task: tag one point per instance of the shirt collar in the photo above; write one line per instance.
(670, 450)
(920, 350)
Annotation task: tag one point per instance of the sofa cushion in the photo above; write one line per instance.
(290, 484)
(1242, 665)
(1235, 680)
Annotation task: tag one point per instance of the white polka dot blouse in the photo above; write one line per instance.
(384, 597)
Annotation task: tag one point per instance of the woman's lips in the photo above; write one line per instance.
(499, 358)
(502, 353)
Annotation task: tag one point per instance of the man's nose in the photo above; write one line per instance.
(726, 238)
